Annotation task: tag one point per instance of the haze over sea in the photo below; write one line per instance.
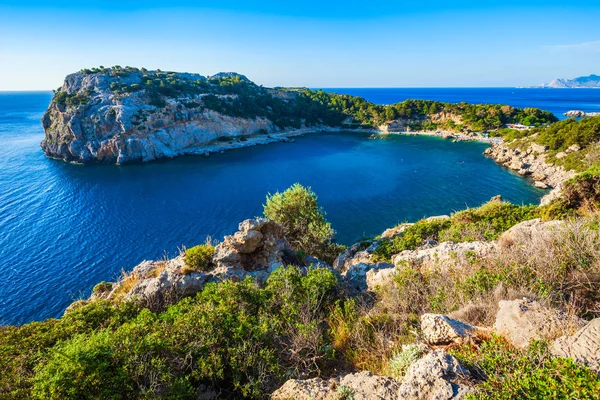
(64, 227)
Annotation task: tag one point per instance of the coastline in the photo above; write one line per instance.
(287, 135)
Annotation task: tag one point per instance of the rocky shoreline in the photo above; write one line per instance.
(531, 162)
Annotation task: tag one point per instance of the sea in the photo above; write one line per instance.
(65, 227)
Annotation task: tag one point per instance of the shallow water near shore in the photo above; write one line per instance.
(65, 228)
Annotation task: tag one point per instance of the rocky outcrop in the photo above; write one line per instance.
(128, 115)
(531, 162)
(583, 346)
(438, 329)
(358, 386)
(526, 232)
(442, 256)
(436, 376)
(356, 276)
(256, 250)
(522, 321)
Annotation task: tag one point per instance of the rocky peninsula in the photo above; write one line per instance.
(125, 115)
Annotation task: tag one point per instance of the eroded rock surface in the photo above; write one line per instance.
(524, 320)
(257, 249)
(442, 256)
(361, 386)
(438, 375)
(438, 329)
(583, 346)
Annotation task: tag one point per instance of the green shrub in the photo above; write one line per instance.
(486, 222)
(102, 287)
(583, 191)
(511, 373)
(199, 258)
(303, 221)
(400, 362)
(84, 367)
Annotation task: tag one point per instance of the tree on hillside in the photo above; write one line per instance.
(304, 222)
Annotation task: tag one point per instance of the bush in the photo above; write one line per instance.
(512, 373)
(400, 362)
(84, 367)
(303, 221)
(484, 223)
(199, 258)
(583, 191)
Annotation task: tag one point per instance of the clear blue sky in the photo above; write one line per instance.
(305, 43)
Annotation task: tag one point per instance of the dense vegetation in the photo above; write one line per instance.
(239, 339)
(574, 144)
(484, 223)
(304, 222)
(234, 338)
(234, 95)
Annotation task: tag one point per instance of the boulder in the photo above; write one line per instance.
(583, 346)
(438, 329)
(524, 320)
(350, 257)
(361, 386)
(438, 376)
(356, 276)
(526, 231)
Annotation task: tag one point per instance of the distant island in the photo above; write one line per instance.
(590, 81)
(122, 115)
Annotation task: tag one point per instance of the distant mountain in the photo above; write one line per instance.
(590, 81)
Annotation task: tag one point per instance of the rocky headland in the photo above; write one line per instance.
(124, 115)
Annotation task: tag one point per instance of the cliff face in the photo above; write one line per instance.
(90, 120)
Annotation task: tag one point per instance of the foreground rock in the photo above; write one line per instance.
(583, 346)
(438, 329)
(361, 386)
(438, 375)
(526, 232)
(256, 250)
(524, 320)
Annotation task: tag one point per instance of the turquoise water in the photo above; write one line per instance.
(64, 228)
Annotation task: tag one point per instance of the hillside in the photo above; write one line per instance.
(123, 115)
(589, 81)
(496, 302)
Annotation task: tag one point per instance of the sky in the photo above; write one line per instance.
(308, 43)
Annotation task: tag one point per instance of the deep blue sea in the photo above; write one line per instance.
(64, 227)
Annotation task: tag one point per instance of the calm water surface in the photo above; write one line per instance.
(64, 228)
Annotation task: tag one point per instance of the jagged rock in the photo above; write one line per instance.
(583, 346)
(438, 329)
(363, 386)
(259, 244)
(256, 250)
(540, 185)
(524, 232)
(350, 257)
(436, 376)
(524, 320)
(531, 161)
(377, 278)
(356, 276)
(444, 255)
